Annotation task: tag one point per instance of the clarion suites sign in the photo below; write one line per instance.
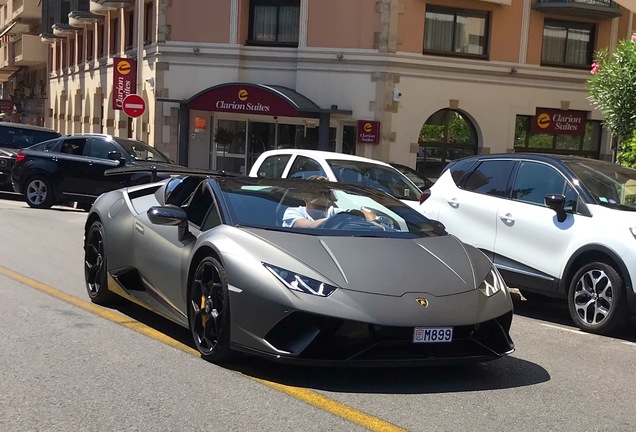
(124, 80)
(559, 122)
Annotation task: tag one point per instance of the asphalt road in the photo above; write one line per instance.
(67, 367)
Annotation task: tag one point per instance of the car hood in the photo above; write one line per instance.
(390, 266)
(8, 152)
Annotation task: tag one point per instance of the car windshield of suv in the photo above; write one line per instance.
(264, 203)
(12, 137)
(139, 150)
(611, 184)
(380, 177)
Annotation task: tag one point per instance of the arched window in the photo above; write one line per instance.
(446, 135)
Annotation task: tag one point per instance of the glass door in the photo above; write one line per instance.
(261, 137)
(230, 149)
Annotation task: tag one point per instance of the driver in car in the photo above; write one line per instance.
(318, 209)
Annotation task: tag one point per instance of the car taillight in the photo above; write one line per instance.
(20, 157)
(424, 195)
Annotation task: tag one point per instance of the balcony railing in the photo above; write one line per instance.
(595, 9)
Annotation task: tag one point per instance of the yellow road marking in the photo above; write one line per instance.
(308, 396)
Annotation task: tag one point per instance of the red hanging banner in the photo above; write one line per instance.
(124, 80)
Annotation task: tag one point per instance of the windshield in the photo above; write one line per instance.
(139, 150)
(265, 203)
(387, 179)
(612, 185)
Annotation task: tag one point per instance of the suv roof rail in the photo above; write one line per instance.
(92, 134)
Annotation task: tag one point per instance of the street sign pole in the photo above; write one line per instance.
(140, 62)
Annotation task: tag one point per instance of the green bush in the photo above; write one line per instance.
(612, 89)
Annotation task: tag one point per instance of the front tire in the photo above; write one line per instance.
(209, 311)
(38, 192)
(95, 268)
(597, 300)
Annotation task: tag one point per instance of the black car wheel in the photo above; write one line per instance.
(597, 300)
(209, 311)
(95, 265)
(38, 193)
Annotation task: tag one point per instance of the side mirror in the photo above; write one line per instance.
(439, 227)
(556, 203)
(170, 216)
(117, 156)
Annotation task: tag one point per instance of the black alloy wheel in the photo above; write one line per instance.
(95, 270)
(597, 300)
(209, 311)
(38, 192)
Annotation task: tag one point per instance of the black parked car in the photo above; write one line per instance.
(13, 138)
(71, 168)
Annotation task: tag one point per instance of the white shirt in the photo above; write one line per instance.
(292, 214)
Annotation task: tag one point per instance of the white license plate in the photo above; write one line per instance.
(432, 334)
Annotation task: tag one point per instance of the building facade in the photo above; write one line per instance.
(408, 81)
(23, 63)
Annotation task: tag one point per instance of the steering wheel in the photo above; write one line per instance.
(349, 220)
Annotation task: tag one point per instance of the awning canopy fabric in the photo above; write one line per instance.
(8, 28)
(247, 98)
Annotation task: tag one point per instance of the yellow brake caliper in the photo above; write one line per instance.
(204, 317)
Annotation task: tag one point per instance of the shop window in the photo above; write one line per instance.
(457, 32)
(567, 44)
(274, 22)
(349, 137)
(446, 135)
(588, 145)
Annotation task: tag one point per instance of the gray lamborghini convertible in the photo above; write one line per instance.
(213, 253)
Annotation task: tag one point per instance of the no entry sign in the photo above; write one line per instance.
(134, 105)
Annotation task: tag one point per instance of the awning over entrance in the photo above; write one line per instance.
(245, 98)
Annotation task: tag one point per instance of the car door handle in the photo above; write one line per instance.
(507, 219)
(139, 227)
(453, 203)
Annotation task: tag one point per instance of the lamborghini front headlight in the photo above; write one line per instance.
(492, 284)
(298, 282)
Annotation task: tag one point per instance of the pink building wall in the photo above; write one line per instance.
(342, 24)
(199, 21)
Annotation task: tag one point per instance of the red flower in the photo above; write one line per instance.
(595, 68)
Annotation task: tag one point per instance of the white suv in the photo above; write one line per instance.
(557, 226)
(337, 167)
